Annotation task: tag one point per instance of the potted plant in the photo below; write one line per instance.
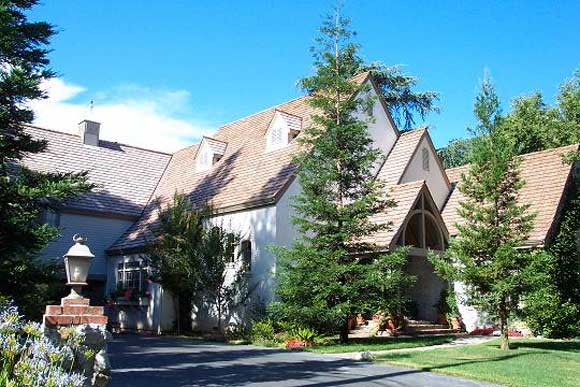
(360, 320)
(453, 315)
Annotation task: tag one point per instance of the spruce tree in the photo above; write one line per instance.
(322, 279)
(24, 194)
(485, 255)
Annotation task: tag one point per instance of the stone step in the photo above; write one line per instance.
(428, 326)
(432, 332)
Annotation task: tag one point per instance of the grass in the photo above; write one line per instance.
(531, 362)
(379, 344)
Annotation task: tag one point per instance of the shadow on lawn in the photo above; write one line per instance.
(567, 346)
(458, 361)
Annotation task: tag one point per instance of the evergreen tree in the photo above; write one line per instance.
(484, 256)
(25, 194)
(398, 90)
(323, 280)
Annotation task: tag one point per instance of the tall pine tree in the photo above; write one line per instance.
(485, 255)
(24, 194)
(322, 281)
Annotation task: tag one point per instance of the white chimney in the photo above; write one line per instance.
(89, 132)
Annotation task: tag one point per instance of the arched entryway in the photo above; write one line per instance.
(422, 231)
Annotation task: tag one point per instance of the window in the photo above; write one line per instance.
(425, 154)
(246, 252)
(133, 275)
(422, 230)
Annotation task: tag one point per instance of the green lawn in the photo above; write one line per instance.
(532, 362)
(379, 344)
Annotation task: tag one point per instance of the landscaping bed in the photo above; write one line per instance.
(531, 362)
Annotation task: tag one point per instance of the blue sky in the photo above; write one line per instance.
(200, 64)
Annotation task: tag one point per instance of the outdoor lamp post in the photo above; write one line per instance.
(77, 262)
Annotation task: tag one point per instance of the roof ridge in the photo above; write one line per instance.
(525, 155)
(415, 130)
(106, 141)
(274, 107)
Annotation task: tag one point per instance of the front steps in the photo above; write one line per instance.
(414, 328)
(428, 328)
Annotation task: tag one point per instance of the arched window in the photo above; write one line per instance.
(422, 230)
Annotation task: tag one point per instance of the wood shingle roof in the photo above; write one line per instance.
(546, 176)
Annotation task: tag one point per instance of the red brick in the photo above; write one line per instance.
(102, 320)
(74, 301)
(53, 309)
(58, 320)
(94, 310)
(74, 310)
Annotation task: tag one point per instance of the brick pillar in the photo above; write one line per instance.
(89, 321)
(73, 311)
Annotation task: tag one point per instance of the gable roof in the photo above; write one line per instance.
(399, 157)
(247, 176)
(546, 176)
(405, 196)
(126, 175)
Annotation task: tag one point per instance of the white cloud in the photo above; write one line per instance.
(128, 114)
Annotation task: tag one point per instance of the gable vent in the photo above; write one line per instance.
(283, 129)
(210, 151)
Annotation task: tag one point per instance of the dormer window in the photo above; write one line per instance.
(210, 152)
(283, 129)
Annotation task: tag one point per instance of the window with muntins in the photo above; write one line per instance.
(132, 275)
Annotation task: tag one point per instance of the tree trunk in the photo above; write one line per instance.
(344, 332)
(219, 310)
(503, 322)
(177, 315)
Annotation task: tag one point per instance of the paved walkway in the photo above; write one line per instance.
(170, 361)
(458, 342)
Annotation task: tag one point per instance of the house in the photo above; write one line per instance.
(245, 172)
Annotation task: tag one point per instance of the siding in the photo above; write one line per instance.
(101, 232)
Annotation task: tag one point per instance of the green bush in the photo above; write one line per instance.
(262, 332)
(548, 316)
(304, 334)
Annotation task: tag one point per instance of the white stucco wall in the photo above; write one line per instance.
(101, 233)
(434, 177)
(472, 319)
(286, 231)
(379, 125)
(259, 226)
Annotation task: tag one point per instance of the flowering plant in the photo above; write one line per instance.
(28, 358)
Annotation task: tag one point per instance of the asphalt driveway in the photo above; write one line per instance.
(169, 361)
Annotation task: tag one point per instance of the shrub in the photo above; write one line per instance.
(236, 332)
(548, 316)
(306, 335)
(262, 331)
(28, 358)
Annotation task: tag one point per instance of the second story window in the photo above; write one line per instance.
(425, 155)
